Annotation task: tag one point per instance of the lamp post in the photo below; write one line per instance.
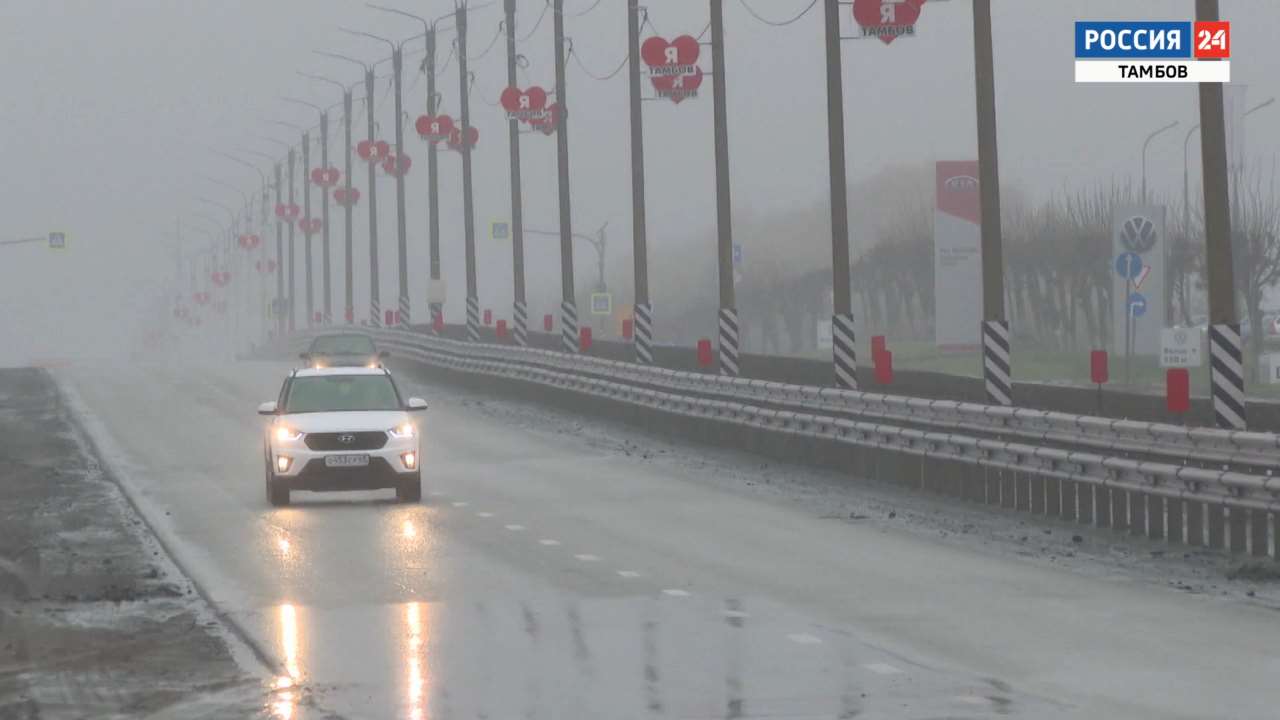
(400, 164)
(327, 302)
(1145, 144)
(375, 303)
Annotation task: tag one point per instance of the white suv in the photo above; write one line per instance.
(341, 429)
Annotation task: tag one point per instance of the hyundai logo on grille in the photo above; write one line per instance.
(346, 439)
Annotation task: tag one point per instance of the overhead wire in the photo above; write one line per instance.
(537, 24)
(577, 59)
(776, 23)
(492, 44)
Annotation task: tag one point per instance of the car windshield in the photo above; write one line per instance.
(342, 345)
(335, 393)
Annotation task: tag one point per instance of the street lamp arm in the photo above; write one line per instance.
(348, 58)
(349, 31)
(297, 101)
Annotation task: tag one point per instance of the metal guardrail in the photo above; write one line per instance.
(1219, 468)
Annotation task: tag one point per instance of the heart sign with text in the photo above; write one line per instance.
(249, 242)
(549, 123)
(325, 177)
(673, 66)
(373, 151)
(397, 165)
(288, 213)
(311, 226)
(524, 105)
(434, 128)
(346, 197)
(887, 19)
(678, 88)
(220, 278)
(201, 298)
(455, 138)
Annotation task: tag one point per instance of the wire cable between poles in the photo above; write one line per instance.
(594, 76)
(776, 23)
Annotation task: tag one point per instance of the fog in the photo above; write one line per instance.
(113, 111)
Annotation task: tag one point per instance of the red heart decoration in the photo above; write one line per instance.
(887, 19)
(434, 128)
(221, 278)
(549, 122)
(249, 242)
(325, 177)
(311, 226)
(681, 52)
(678, 88)
(455, 138)
(523, 104)
(397, 166)
(201, 298)
(346, 197)
(280, 210)
(383, 149)
(365, 149)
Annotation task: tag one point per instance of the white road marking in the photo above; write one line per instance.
(459, 504)
(629, 573)
(484, 514)
(736, 614)
(588, 557)
(548, 542)
(883, 669)
(515, 528)
(675, 592)
(804, 639)
(436, 493)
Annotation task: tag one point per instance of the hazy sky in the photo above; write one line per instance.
(111, 108)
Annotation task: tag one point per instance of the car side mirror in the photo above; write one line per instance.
(415, 404)
(267, 408)
(383, 355)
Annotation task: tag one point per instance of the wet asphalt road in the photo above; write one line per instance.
(542, 577)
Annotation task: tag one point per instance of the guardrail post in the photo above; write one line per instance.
(1173, 520)
(1119, 509)
(1053, 497)
(1081, 503)
(1138, 513)
(1238, 522)
(1155, 517)
(1194, 517)
(1258, 533)
(1101, 507)
(1216, 524)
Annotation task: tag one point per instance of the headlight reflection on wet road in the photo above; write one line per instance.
(285, 699)
(418, 679)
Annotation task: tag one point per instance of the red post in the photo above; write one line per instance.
(318, 317)
(704, 353)
(488, 317)
(878, 345)
(502, 328)
(884, 367)
(1177, 393)
(548, 323)
(1098, 367)
(390, 318)
(627, 328)
(585, 338)
(351, 316)
(437, 323)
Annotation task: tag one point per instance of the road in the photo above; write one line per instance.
(546, 576)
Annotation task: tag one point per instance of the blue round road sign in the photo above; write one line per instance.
(1137, 305)
(1129, 265)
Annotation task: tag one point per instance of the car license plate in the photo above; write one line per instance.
(346, 460)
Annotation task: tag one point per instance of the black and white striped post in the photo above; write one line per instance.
(1226, 354)
(996, 356)
(644, 333)
(521, 329)
(729, 335)
(569, 339)
(843, 351)
(473, 318)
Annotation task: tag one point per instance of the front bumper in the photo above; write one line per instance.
(307, 469)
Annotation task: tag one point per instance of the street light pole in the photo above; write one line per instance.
(642, 312)
(1227, 369)
(568, 306)
(843, 349)
(1145, 144)
(520, 308)
(327, 303)
(468, 198)
(996, 349)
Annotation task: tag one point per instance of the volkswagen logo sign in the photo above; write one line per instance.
(961, 183)
(346, 438)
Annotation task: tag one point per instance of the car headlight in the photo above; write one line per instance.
(284, 433)
(404, 430)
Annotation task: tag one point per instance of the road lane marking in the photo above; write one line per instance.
(436, 493)
(460, 504)
(675, 592)
(588, 557)
(548, 542)
(515, 528)
(629, 573)
(804, 639)
(736, 614)
(883, 669)
(484, 514)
